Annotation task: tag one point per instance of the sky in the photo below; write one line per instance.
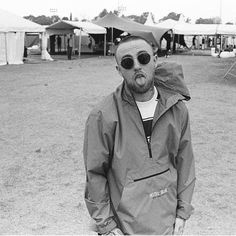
(88, 9)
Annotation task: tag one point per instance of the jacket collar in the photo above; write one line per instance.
(170, 84)
(165, 96)
(166, 99)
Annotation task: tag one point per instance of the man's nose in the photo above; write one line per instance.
(136, 64)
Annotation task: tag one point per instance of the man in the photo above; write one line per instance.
(58, 43)
(69, 47)
(137, 148)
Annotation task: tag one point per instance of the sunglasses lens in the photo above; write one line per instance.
(144, 58)
(127, 63)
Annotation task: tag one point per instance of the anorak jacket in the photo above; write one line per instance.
(139, 187)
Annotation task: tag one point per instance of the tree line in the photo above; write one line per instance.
(48, 20)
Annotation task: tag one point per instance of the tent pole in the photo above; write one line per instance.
(41, 43)
(64, 43)
(105, 44)
(80, 36)
(215, 43)
(112, 40)
(221, 42)
(173, 40)
(178, 40)
(6, 47)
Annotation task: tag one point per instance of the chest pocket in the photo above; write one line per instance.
(149, 200)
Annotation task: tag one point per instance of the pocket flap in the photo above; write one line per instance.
(148, 171)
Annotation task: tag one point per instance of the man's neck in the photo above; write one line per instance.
(144, 97)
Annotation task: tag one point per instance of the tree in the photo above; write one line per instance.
(213, 20)
(101, 14)
(153, 18)
(43, 20)
(55, 18)
(188, 20)
(140, 19)
(175, 16)
(116, 12)
(65, 18)
(171, 15)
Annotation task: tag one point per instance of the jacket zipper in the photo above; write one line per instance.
(148, 142)
(147, 177)
(149, 147)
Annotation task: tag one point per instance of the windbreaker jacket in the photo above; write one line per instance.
(130, 184)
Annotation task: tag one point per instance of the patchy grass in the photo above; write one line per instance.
(43, 108)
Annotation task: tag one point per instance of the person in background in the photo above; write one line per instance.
(59, 43)
(194, 42)
(90, 42)
(69, 47)
(203, 42)
(138, 156)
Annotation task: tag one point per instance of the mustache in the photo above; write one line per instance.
(139, 74)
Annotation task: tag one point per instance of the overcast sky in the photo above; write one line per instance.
(90, 8)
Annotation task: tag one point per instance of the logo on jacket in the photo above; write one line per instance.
(159, 193)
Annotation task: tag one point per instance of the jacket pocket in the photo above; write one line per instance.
(149, 200)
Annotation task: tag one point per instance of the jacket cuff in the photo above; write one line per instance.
(184, 210)
(107, 227)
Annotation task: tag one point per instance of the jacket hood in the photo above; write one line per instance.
(169, 81)
(169, 75)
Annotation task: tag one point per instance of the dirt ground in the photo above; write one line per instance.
(43, 108)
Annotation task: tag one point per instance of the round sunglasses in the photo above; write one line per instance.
(127, 62)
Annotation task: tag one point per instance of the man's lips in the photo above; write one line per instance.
(139, 75)
(140, 79)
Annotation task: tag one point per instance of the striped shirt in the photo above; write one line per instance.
(147, 110)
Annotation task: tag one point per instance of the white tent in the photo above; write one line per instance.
(12, 34)
(149, 20)
(179, 27)
(68, 27)
(226, 29)
(168, 24)
(204, 29)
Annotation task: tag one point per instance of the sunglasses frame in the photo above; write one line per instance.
(140, 62)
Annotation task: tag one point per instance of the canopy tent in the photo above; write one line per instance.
(12, 35)
(182, 28)
(168, 24)
(149, 21)
(226, 29)
(118, 25)
(194, 29)
(216, 30)
(67, 27)
(204, 29)
(170, 35)
(197, 29)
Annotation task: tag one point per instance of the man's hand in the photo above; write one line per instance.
(179, 226)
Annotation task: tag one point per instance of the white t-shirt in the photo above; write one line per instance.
(147, 110)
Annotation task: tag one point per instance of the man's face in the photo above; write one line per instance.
(139, 71)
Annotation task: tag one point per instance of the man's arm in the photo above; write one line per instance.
(185, 169)
(97, 149)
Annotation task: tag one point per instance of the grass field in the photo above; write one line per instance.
(43, 108)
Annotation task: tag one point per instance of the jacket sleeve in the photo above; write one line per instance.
(97, 149)
(185, 170)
